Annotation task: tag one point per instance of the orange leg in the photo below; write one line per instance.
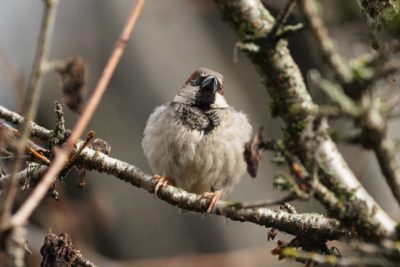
(214, 197)
(162, 181)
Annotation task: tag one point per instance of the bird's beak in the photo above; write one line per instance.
(210, 83)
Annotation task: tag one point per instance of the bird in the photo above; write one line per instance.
(196, 141)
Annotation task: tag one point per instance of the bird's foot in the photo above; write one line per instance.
(162, 181)
(214, 197)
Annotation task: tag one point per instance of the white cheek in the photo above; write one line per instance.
(220, 101)
(186, 94)
(179, 99)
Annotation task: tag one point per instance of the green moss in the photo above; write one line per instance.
(353, 212)
(290, 252)
(390, 16)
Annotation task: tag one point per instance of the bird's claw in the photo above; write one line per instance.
(162, 181)
(214, 197)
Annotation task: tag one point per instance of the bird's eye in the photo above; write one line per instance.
(195, 82)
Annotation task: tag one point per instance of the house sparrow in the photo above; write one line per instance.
(197, 140)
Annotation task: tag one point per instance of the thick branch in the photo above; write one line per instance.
(285, 84)
(295, 224)
(16, 119)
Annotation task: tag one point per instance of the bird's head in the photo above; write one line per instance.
(203, 89)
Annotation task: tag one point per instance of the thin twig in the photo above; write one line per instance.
(38, 155)
(106, 75)
(32, 100)
(282, 18)
(385, 152)
(336, 94)
(22, 215)
(16, 119)
(32, 147)
(35, 173)
(382, 73)
(87, 141)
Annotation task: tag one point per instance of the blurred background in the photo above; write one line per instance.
(113, 223)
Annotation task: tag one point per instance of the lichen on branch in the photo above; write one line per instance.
(304, 136)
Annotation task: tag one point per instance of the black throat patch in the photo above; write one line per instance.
(198, 119)
(204, 99)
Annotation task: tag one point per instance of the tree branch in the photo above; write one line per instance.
(34, 92)
(385, 152)
(291, 101)
(24, 175)
(311, 225)
(371, 119)
(21, 216)
(16, 119)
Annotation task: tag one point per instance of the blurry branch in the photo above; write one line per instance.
(382, 72)
(354, 76)
(306, 135)
(58, 251)
(38, 155)
(331, 260)
(382, 15)
(385, 152)
(32, 100)
(16, 119)
(27, 175)
(14, 244)
(385, 253)
(311, 225)
(337, 63)
(61, 155)
(347, 106)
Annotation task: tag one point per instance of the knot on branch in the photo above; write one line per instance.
(60, 133)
